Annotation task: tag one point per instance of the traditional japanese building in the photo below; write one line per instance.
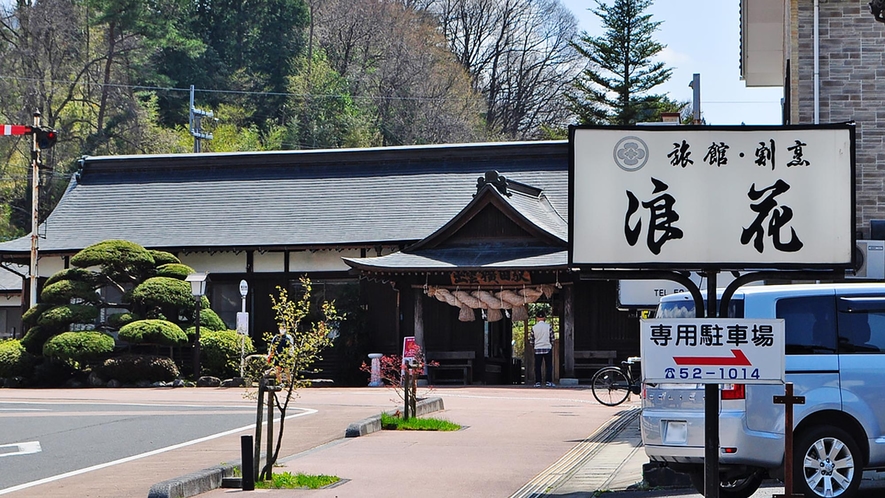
(390, 233)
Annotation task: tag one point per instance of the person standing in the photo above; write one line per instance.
(542, 341)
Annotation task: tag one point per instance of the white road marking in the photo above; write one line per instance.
(307, 411)
(20, 448)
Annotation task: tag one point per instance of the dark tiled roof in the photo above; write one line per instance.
(290, 199)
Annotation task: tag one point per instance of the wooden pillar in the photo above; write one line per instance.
(418, 295)
(568, 330)
(528, 355)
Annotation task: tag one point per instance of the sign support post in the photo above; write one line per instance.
(711, 411)
(788, 400)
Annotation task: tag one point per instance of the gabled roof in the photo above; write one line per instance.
(526, 233)
(292, 199)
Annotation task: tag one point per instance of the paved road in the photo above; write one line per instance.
(112, 443)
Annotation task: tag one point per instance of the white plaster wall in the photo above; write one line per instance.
(269, 262)
(306, 261)
(48, 265)
(219, 262)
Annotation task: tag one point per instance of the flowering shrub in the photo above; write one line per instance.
(392, 370)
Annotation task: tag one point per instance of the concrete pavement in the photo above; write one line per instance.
(516, 441)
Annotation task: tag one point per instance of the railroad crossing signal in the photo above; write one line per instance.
(46, 137)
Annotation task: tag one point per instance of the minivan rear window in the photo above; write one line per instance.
(685, 309)
(810, 324)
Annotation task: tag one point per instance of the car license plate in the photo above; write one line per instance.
(675, 432)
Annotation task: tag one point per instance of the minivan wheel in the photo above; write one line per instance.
(736, 487)
(827, 462)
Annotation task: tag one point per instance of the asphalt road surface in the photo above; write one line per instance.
(41, 441)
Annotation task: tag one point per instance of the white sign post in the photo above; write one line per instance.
(243, 324)
(712, 351)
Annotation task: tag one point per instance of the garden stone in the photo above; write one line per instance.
(114, 383)
(94, 380)
(143, 383)
(178, 383)
(208, 381)
(235, 382)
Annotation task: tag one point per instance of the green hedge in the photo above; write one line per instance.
(133, 368)
(117, 257)
(220, 352)
(29, 318)
(160, 332)
(15, 361)
(163, 257)
(162, 292)
(35, 338)
(117, 320)
(60, 317)
(174, 270)
(63, 291)
(75, 274)
(80, 347)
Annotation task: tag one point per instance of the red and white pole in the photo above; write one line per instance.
(35, 204)
(15, 129)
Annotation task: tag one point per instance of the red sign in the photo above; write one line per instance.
(410, 348)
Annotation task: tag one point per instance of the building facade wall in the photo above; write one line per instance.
(852, 87)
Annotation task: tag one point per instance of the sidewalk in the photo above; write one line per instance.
(509, 439)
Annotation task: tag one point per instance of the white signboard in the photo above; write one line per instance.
(701, 196)
(712, 351)
(647, 293)
(243, 323)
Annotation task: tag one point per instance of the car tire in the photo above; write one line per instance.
(740, 487)
(826, 462)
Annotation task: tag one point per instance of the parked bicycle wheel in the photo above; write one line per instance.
(610, 386)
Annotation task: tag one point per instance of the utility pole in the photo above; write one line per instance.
(696, 98)
(195, 123)
(35, 207)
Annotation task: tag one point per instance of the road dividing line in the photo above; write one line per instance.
(306, 411)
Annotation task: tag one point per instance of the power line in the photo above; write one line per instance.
(304, 96)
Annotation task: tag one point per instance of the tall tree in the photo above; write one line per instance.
(519, 56)
(614, 87)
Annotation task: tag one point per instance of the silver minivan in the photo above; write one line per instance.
(835, 357)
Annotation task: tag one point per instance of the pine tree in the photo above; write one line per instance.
(614, 87)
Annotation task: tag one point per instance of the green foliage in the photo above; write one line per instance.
(174, 270)
(118, 259)
(117, 320)
(15, 361)
(160, 332)
(35, 338)
(63, 291)
(163, 258)
(221, 350)
(163, 292)
(133, 368)
(29, 318)
(287, 480)
(78, 347)
(621, 71)
(60, 317)
(397, 423)
(75, 274)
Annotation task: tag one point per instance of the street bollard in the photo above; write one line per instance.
(248, 482)
(375, 380)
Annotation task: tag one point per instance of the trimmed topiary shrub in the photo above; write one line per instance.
(79, 347)
(29, 318)
(60, 317)
(117, 258)
(163, 257)
(36, 337)
(220, 352)
(15, 361)
(164, 291)
(117, 320)
(133, 368)
(160, 332)
(75, 274)
(63, 291)
(174, 270)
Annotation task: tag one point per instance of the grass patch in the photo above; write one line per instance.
(287, 480)
(392, 422)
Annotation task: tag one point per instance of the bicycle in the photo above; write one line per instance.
(612, 385)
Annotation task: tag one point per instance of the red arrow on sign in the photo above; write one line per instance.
(739, 359)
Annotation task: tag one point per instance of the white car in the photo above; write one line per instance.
(835, 357)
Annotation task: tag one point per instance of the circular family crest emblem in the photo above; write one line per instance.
(631, 153)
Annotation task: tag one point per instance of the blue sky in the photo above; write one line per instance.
(702, 36)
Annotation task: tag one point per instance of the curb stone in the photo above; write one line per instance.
(206, 480)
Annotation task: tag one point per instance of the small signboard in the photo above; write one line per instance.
(410, 349)
(712, 351)
(242, 323)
